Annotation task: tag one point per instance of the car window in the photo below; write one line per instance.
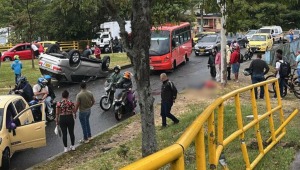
(259, 38)
(20, 48)
(10, 114)
(20, 105)
(105, 36)
(27, 47)
(276, 30)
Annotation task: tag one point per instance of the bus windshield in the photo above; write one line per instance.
(160, 43)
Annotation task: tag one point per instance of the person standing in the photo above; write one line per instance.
(281, 73)
(228, 56)
(17, 67)
(97, 52)
(259, 69)
(211, 64)
(168, 97)
(84, 101)
(35, 50)
(234, 60)
(291, 34)
(298, 65)
(218, 66)
(65, 115)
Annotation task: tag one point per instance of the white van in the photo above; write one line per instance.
(275, 31)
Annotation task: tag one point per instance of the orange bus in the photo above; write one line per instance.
(171, 45)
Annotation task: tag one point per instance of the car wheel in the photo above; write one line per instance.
(105, 63)
(74, 59)
(5, 159)
(7, 59)
(53, 48)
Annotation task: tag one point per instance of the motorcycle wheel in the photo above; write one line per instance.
(49, 117)
(118, 114)
(105, 103)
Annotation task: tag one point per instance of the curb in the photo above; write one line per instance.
(77, 145)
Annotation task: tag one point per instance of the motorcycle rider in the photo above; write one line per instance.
(50, 87)
(116, 75)
(24, 89)
(41, 92)
(126, 83)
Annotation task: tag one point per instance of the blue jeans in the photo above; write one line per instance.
(298, 73)
(48, 103)
(256, 79)
(166, 113)
(17, 76)
(85, 123)
(282, 84)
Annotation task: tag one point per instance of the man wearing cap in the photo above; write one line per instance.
(17, 67)
(298, 64)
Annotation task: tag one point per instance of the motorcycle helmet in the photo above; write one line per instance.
(48, 78)
(16, 57)
(127, 75)
(247, 72)
(117, 69)
(42, 82)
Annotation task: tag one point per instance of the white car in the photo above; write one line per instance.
(250, 33)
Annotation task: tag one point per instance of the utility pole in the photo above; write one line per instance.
(222, 5)
(201, 4)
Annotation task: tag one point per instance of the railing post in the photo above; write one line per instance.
(271, 121)
(255, 116)
(221, 124)
(240, 126)
(200, 150)
(211, 141)
(178, 164)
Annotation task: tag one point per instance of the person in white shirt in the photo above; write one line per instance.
(35, 50)
(281, 80)
(41, 92)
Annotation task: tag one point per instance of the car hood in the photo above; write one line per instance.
(257, 42)
(205, 44)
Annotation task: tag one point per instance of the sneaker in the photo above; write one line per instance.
(84, 141)
(66, 149)
(176, 122)
(72, 148)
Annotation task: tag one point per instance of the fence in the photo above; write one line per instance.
(289, 52)
(174, 154)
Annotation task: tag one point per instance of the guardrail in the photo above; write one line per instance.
(5, 47)
(174, 154)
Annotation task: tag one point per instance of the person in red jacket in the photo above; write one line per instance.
(234, 60)
(97, 52)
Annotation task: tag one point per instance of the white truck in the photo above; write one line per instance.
(108, 31)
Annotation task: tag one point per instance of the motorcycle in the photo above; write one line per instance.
(249, 53)
(37, 113)
(107, 99)
(121, 104)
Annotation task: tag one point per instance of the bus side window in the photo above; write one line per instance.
(173, 43)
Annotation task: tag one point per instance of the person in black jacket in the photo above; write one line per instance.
(24, 89)
(211, 63)
(168, 96)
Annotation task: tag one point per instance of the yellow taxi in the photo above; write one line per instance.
(261, 42)
(19, 128)
(46, 44)
(200, 35)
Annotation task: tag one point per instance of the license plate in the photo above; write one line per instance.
(202, 50)
(151, 68)
(47, 65)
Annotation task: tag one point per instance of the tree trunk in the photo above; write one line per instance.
(138, 52)
(223, 46)
(30, 33)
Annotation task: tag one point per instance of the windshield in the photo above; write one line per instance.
(258, 38)
(105, 36)
(265, 30)
(251, 32)
(160, 43)
(47, 44)
(97, 35)
(208, 39)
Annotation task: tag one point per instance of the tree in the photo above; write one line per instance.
(144, 14)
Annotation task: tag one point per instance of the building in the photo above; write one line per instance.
(211, 22)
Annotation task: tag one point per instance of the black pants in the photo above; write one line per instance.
(256, 79)
(228, 73)
(213, 71)
(67, 124)
(166, 113)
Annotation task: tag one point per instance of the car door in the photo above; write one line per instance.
(28, 133)
(175, 47)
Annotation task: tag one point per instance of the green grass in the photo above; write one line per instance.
(7, 76)
(279, 158)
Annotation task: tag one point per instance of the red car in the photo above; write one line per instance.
(23, 50)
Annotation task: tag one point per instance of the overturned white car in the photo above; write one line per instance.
(72, 66)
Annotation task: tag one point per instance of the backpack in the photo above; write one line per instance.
(284, 69)
(174, 89)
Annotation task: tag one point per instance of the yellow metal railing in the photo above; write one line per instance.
(174, 154)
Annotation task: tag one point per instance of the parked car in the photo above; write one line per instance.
(23, 50)
(207, 43)
(72, 66)
(239, 38)
(261, 42)
(250, 33)
(19, 130)
(201, 35)
(46, 44)
(287, 36)
(275, 31)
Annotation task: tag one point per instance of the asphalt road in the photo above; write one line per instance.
(190, 74)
